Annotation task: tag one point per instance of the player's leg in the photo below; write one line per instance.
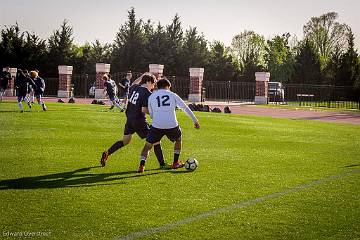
(40, 101)
(116, 103)
(144, 155)
(20, 97)
(174, 135)
(154, 136)
(1, 93)
(32, 94)
(128, 132)
(159, 154)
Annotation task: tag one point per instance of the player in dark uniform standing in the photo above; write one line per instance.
(5, 77)
(125, 84)
(136, 120)
(39, 89)
(21, 83)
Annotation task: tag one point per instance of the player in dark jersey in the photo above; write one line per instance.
(5, 77)
(40, 88)
(137, 104)
(110, 88)
(21, 83)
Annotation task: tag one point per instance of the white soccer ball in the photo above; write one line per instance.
(191, 164)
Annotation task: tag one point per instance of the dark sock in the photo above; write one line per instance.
(176, 155)
(159, 154)
(116, 146)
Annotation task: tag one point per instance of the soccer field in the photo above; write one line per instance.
(258, 178)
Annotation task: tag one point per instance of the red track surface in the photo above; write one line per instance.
(327, 116)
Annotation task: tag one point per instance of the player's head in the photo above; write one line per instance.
(7, 69)
(109, 76)
(128, 75)
(33, 74)
(149, 81)
(163, 83)
(105, 77)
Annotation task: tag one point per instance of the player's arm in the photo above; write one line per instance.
(121, 85)
(150, 108)
(145, 110)
(138, 80)
(182, 105)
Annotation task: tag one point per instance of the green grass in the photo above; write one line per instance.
(50, 180)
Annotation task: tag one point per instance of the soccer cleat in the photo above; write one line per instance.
(141, 169)
(165, 165)
(104, 158)
(29, 104)
(111, 108)
(177, 164)
(44, 107)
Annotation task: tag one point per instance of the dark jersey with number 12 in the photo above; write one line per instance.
(137, 98)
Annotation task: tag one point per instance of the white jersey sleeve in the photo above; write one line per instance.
(182, 105)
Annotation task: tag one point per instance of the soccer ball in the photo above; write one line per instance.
(191, 164)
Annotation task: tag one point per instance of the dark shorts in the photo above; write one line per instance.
(156, 134)
(21, 94)
(141, 128)
(112, 97)
(21, 98)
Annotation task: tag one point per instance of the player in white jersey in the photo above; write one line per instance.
(162, 104)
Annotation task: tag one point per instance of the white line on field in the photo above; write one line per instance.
(230, 208)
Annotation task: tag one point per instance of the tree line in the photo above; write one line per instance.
(326, 55)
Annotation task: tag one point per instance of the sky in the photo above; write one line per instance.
(217, 19)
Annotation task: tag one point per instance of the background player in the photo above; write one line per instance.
(110, 88)
(162, 104)
(39, 89)
(5, 77)
(21, 83)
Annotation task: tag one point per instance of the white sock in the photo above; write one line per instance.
(20, 106)
(117, 105)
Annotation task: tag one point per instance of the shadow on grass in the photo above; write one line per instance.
(77, 178)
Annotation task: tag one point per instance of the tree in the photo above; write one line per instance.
(129, 45)
(157, 49)
(61, 49)
(174, 36)
(280, 59)
(221, 66)
(307, 66)
(349, 69)
(249, 49)
(194, 52)
(11, 47)
(328, 36)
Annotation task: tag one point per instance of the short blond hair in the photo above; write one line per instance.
(33, 74)
(105, 77)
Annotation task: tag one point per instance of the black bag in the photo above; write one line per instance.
(192, 106)
(199, 107)
(206, 108)
(227, 109)
(216, 110)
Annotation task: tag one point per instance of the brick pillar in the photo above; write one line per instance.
(262, 82)
(101, 69)
(11, 86)
(65, 73)
(157, 70)
(196, 78)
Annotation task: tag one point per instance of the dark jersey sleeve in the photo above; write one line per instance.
(145, 98)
